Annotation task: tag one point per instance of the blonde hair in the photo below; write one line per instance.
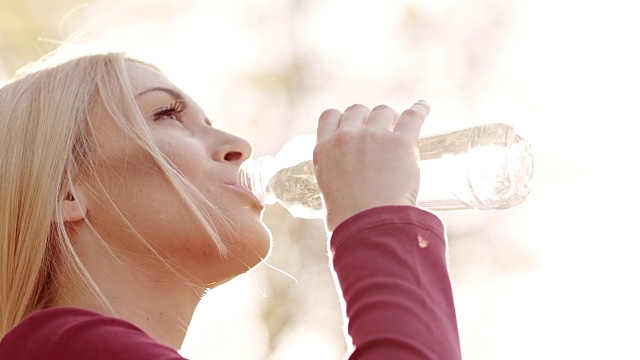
(45, 144)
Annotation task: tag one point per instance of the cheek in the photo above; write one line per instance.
(190, 158)
(132, 191)
(136, 189)
(152, 206)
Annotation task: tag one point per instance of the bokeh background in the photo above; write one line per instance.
(553, 278)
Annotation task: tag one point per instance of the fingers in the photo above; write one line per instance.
(355, 116)
(383, 117)
(330, 120)
(328, 124)
(411, 120)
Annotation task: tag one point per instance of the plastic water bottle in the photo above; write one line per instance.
(487, 167)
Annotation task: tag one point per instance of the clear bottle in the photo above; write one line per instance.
(487, 167)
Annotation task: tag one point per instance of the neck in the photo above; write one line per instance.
(139, 291)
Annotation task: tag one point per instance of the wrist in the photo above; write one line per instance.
(338, 214)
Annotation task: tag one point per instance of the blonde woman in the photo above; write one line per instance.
(120, 206)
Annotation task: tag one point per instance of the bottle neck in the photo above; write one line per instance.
(254, 175)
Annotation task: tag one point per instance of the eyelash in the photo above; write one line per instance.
(176, 109)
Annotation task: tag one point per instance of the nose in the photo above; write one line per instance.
(231, 149)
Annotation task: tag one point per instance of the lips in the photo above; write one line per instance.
(246, 192)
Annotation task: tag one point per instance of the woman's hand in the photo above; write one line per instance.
(365, 159)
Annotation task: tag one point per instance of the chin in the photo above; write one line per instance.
(250, 247)
(258, 248)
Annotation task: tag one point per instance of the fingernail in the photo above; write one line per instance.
(423, 104)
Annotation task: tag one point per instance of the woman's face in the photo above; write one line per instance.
(207, 157)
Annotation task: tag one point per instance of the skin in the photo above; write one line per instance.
(357, 159)
(210, 159)
(365, 159)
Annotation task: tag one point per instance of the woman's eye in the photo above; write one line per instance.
(173, 112)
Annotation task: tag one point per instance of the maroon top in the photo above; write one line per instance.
(392, 269)
(390, 263)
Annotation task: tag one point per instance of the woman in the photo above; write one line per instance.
(120, 206)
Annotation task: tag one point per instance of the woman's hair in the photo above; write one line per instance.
(46, 146)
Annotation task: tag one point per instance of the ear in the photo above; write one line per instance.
(73, 208)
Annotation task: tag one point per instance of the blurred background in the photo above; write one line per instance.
(553, 278)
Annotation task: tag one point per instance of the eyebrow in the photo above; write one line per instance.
(175, 94)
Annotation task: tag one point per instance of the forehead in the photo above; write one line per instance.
(143, 77)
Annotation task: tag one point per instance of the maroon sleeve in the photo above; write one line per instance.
(391, 265)
(71, 333)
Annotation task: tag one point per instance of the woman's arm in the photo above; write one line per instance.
(391, 266)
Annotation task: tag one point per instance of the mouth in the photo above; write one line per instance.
(241, 190)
